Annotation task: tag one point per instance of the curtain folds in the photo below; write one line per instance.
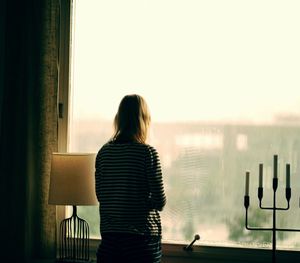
(28, 126)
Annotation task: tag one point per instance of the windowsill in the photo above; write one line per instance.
(228, 254)
(216, 254)
(209, 254)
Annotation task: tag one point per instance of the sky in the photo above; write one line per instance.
(192, 60)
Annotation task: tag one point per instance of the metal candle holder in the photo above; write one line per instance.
(274, 207)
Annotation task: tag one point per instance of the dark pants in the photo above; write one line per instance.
(131, 248)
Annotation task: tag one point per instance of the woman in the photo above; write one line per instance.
(129, 189)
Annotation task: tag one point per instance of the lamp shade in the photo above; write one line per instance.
(72, 180)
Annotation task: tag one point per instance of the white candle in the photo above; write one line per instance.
(247, 183)
(275, 165)
(261, 175)
(288, 178)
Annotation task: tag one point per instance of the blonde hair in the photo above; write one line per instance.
(132, 120)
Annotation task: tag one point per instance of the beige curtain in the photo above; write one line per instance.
(29, 33)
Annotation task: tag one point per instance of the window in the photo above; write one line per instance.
(222, 82)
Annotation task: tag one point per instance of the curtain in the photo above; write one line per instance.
(28, 127)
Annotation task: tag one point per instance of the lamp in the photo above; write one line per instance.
(72, 182)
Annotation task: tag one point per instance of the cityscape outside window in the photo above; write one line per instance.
(221, 79)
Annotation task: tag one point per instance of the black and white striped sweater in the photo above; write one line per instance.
(129, 188)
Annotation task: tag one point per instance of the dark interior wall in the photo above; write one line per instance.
(19, 87)
(2, 36)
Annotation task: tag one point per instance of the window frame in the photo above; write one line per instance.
(64, 32)
(171, 252)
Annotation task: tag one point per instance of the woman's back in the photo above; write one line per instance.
(129, 188)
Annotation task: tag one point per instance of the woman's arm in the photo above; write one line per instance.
(155, 181)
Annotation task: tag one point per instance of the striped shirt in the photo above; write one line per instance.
(129, 188)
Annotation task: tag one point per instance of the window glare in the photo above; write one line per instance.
(222, 82)
(215, 60)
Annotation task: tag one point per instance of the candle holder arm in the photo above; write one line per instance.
(288, 194)
(288, 229)
(255, 228)
(274, 208)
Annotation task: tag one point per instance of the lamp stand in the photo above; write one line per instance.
(74, 239)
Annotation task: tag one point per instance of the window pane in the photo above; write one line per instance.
(222, 82)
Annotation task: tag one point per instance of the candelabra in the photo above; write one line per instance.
(272, 208)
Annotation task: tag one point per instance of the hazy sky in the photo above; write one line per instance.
(191, 60)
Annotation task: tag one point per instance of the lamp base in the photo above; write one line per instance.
(74, 239)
